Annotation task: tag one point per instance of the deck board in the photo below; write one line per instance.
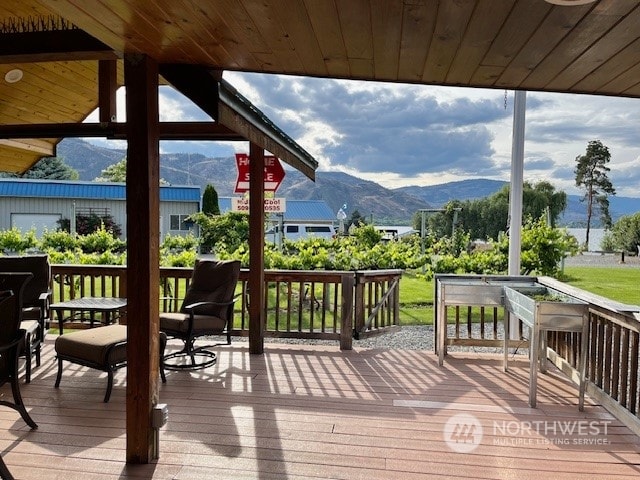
(309, 412)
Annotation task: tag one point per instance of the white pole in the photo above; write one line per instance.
(515, 197)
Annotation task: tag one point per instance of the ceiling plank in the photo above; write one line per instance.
(611, 69)
(619, 37)
(294, 17)
(451, 24)
(275, 35)
(483, 26)
(324, 18)
(386, 38)
(357, 34)
(203, 27)
(546, 37)
(525, 18)
(602, 18)
(418, 24)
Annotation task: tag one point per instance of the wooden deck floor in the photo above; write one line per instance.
(302, 412)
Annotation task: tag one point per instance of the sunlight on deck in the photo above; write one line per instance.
(301, 412)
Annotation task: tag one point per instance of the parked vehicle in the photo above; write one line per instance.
(297, 231)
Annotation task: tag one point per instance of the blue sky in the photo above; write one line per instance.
(399, 134)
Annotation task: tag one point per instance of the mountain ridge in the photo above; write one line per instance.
(373, 201)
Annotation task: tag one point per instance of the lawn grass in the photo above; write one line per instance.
(619, 284)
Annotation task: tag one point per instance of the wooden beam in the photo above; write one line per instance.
(199, 84)
(52, 46)
(107, 88)
(31, 145)
(256, 249)
(167, 130)
(143, 270)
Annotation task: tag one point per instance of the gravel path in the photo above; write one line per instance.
(602, 260)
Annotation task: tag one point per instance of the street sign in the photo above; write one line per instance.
(271, 205)
(273, 173)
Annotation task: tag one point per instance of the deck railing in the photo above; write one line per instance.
(298, 304)
(613, 374)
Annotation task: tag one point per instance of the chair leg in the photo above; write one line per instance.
(5, 474)
(107, 395)
(19, 404)
(27, 358)
(38, 348)
(59, 375)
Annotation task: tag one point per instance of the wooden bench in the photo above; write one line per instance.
(102, 348)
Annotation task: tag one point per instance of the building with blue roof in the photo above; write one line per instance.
(315, 212)
(41, 204)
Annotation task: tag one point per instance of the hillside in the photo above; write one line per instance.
(386, 206)
(369, 198)
(574, 215)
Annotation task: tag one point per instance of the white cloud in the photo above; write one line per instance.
(398, 134)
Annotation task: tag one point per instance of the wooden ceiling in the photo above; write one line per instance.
(521, 44)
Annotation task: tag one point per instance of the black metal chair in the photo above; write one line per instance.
(36, 298)
(206, 310)
(11, 342)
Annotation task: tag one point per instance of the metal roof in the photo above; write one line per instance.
(297, 210)
(15, 187)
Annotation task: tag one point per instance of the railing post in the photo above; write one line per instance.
(122, 292)
(358, 316)
(346, 323)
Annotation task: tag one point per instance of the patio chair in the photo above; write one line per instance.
(12, 338)
(206, 310)
(35, 303)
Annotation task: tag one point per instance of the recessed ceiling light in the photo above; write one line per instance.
(13, 76)
(570, 2)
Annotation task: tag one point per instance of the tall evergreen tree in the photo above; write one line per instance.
(210, 204)
(592, 176)
(52, 168)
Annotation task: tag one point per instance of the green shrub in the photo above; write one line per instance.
(58, 240)
(14, 241)
(101, 241)
(179, 242)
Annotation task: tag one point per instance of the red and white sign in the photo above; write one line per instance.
(271, 205)
(273, 173)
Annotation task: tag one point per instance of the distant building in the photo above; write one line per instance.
(395, 232)
(40, 204)
(297, 211)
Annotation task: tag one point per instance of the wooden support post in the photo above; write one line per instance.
(107, 88)
(256, 249)
(346, 312)
(143, 270)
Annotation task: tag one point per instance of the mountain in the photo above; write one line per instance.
(438, 195)
(574, 215)
(386, 206)
(368, 198)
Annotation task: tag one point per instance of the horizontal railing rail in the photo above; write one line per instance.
(310, 304)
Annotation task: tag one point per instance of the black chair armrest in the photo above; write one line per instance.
(193, 306)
